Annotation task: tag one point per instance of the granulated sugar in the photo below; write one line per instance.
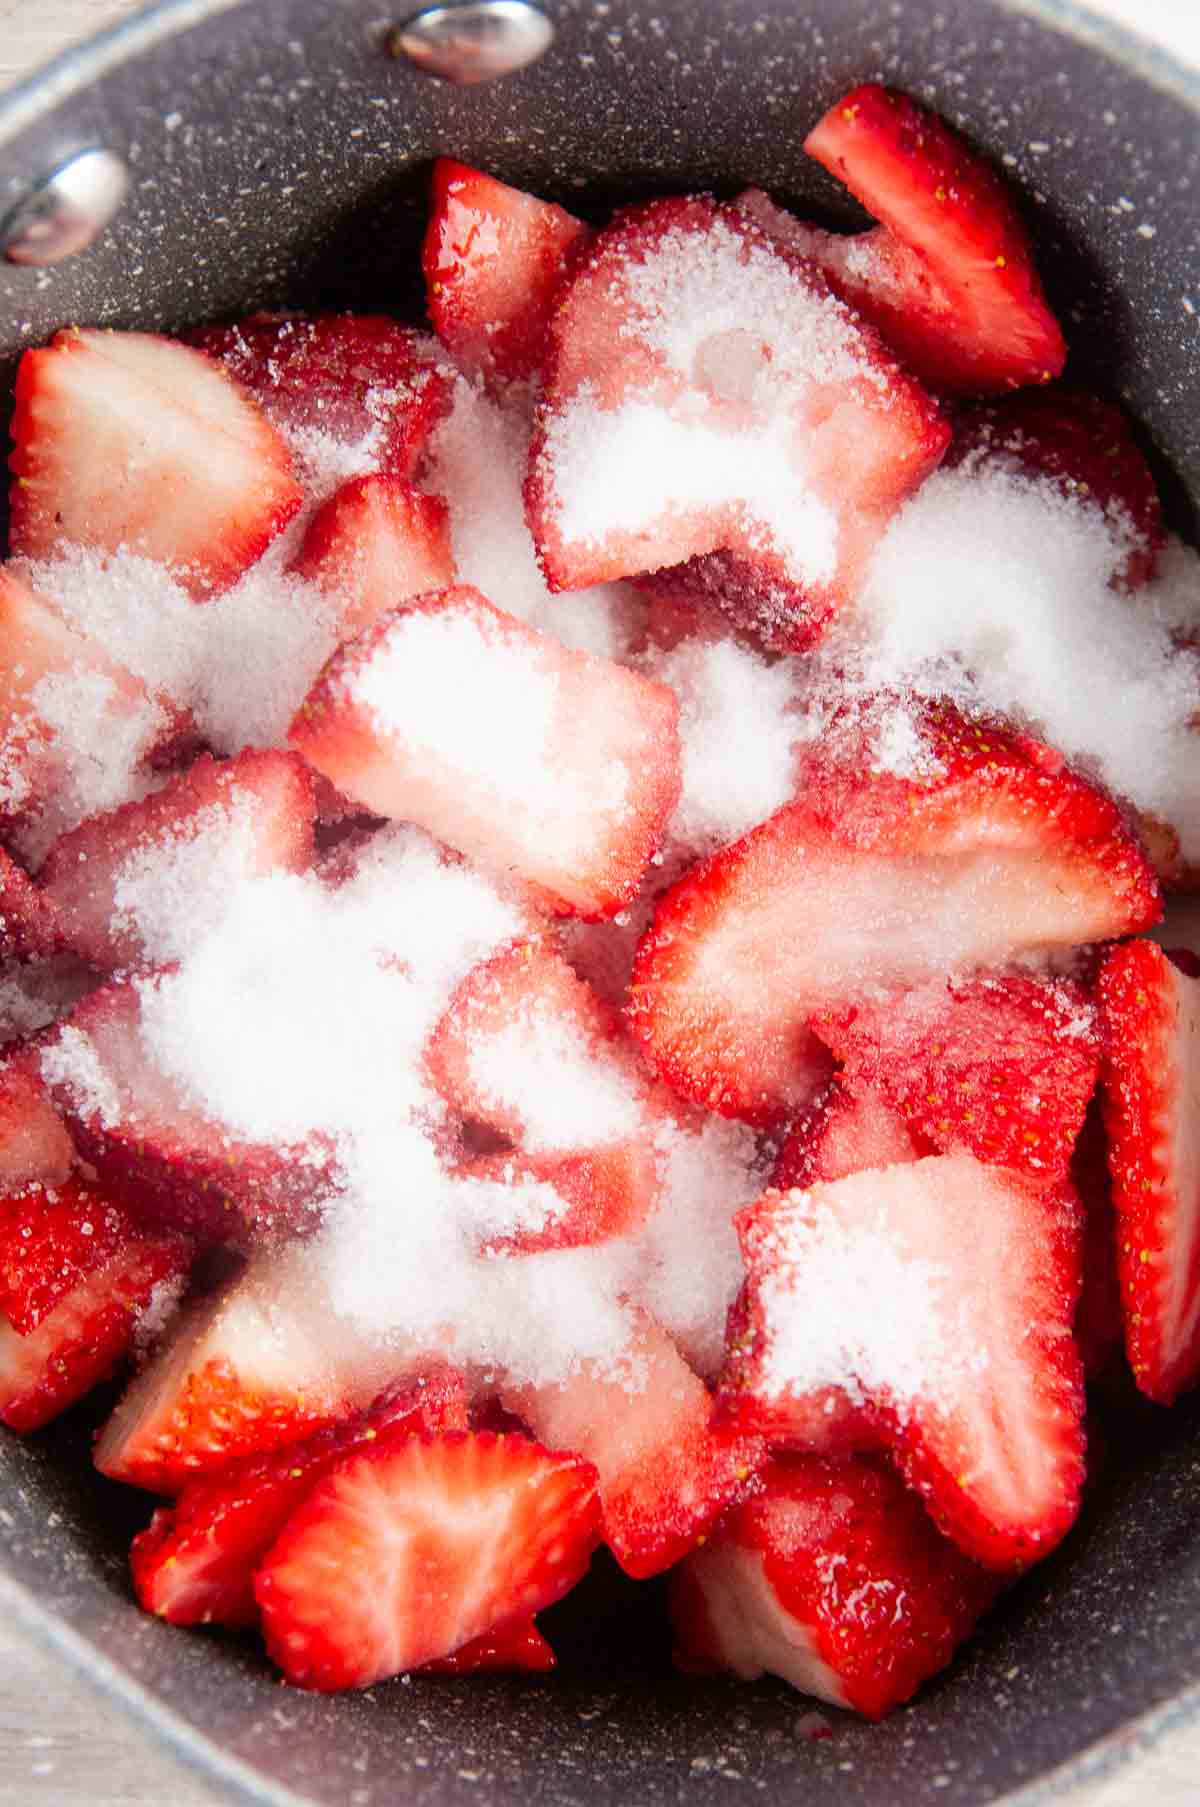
(170, 894)
(93, 739)
(563, 1092)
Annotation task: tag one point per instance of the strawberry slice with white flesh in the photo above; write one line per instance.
(1150, 1012)
(117, 880)
(539, 762)
(407, 1552)
(77, 729)
(130, 442)
(1003, 1066)
(493, 259)
(704, 393)
(361, 383)
(937, 1298)
(194, 1563)
(262, 1363)
(137, 1128)
(76, 1275)
(377, 542)
(870, 883)
(951, 281)
(833, 1577)
(666, 1468)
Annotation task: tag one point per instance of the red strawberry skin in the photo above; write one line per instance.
(194, 1564)
(1150, 1012)
(972, 310)
(846, 1130)
(407, 1552)
(1001, 1066)
(353, 377)
(518, 1645)
(29, 924)
(373, 544)
(493, 259)
(125, 440)
(839, 1566)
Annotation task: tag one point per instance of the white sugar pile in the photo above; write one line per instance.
(171, 894)
(477, 461)
(541, 1072)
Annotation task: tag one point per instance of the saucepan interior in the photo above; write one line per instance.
(278, 155)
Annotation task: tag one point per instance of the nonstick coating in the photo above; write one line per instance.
(280, 156)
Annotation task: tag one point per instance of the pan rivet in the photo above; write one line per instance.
(474, 41)
(67, 211)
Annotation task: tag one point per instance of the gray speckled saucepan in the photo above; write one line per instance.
(278, 154)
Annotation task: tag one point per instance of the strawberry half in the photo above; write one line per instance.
(133, 1124)
(129, 442)
(194, 1563)
(493, 259)
(407, 721)
(361, 381)
(375, 543)
(666, 1469)
(407, 1552)
(705, 394)
(990, 858)
(954, 287)
(1002, 1067)
(833, 1577)
(76, 1274)
(1086, 449)
(971, 1376)
(1150, 1012)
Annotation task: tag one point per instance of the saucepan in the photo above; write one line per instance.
(209, 157)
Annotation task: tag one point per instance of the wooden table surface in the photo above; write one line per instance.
(61, 1744)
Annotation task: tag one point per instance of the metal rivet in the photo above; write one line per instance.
(475, 41)
(67, 211)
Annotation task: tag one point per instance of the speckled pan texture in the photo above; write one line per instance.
(279, 155)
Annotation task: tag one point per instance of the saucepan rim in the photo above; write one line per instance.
(58, 80)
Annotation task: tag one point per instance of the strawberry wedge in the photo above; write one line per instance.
(951, 282)
(194, 1563)
(870, 883)
(833, 1577)
(551, 765)
(407, 1552)
(705, 394)
(970, 1375)
(493, 260)
(128, 442)
(76, 1275)
(155, 1148)
(377, 542)
(1150, 1012)
(361, 383)
(118, 881)
(666, 1469)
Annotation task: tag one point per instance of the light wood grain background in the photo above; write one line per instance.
(62, 1745)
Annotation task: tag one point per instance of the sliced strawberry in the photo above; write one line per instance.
(526, 1204)
(411, 719)
(938, 1298)
(869, 882)
(407, 1552)
(671, 429)
(1002, 1067)
(846, 1131)
(1085, 447)
(518, 1645)
(666, 1469)
(493, 259)
(833, 1577)
(76, 1274)
(117, 879)
(29, 924)
(194, 1563)
(263, 1363)
(77, 730)
(128, 442)
(955, 288)
(1150, 1012)
(134, 1125)
(362, 381)
(34, 1144)
(374, 544)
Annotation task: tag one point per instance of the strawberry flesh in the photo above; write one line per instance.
(376, 542)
